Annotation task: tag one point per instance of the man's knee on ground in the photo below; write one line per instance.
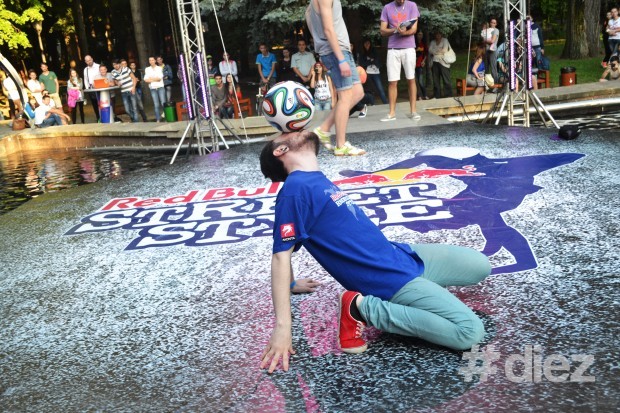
(469, 335)
(480, 267)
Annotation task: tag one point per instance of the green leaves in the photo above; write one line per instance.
(15, 17)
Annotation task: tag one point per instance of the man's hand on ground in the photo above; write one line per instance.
(280, 345)
(305, 285)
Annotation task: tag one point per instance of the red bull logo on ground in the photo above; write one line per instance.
(407, 194)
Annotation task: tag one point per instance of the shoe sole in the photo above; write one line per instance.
(352, 350)
(349, 154)
(388, 119)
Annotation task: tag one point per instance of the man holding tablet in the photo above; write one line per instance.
(399, 22)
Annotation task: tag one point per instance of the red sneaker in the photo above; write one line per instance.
(350, 330)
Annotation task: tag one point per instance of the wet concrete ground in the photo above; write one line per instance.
(167, 307)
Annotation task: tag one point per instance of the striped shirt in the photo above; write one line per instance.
(123, 76)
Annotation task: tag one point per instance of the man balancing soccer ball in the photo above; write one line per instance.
(397, 288)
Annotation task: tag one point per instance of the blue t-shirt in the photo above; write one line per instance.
(313, 212)
(481, 67)
(266, 62)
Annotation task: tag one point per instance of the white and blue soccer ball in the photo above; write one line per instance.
(288, 106)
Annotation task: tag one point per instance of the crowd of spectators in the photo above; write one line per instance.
(300, 64)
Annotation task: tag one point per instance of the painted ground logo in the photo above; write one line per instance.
(403, 194)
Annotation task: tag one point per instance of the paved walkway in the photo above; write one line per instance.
(433, 112)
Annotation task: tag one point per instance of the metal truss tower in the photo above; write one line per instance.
(195, 82)
(520, 97)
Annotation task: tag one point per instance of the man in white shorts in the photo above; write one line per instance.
(399, 22)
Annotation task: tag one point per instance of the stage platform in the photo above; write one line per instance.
(151, 293)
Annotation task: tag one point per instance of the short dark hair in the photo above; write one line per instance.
(116, 61)
(270, 165)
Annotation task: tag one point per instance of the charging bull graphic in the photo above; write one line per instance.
(493, 186)
(404, 194)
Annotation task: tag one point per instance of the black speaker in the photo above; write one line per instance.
(569, 132)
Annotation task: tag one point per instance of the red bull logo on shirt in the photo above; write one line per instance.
(411, 194)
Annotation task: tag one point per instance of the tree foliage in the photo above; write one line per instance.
(15, 17)
(272, 20)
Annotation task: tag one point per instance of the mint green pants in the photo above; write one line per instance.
(423, 308)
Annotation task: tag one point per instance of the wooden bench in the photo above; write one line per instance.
(245, 105)
(462, 88)
(181, 110)
(543, 79)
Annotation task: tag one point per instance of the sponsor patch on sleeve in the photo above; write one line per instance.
(287, 232)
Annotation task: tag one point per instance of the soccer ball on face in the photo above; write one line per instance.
(288, 106)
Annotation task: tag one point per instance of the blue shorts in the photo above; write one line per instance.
(341, 83)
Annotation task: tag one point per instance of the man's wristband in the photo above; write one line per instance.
(293, 284)
(342, 61)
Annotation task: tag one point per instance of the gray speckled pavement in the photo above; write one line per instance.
(173, 313)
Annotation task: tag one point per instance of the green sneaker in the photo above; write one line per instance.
(349, 150)
(324, 138)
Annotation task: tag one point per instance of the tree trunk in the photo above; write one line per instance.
(78, 17)
(593, 32)
(138, 30)
(582, 29)
(576, 46)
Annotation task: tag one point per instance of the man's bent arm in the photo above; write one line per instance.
(385, 30)
(273, 70)
(260, 72)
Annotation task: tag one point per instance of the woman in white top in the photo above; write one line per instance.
(34, 86)
(228, 66)
(613, 29)
(13, 95)
(154, 76)
(324, 91)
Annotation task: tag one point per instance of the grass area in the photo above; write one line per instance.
(588, 69)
